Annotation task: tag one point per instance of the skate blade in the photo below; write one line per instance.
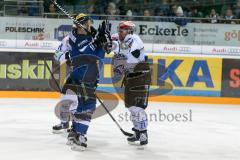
(69, 143)
(141, 147)
(138, 145)
(133, 143)
(56, 132)
(78, 148)
(59, 131)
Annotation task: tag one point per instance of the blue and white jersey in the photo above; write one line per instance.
(85, 57)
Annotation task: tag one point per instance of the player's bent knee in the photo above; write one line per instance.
(83, 116)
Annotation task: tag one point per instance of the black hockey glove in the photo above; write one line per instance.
(93, 31)
(67, 57)
(103, 38)
(108, 47)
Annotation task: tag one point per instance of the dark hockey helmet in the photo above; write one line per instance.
(83, 18)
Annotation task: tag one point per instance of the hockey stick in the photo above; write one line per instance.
(114, 120)
(102, 104)
(58, 86)
(69, 15)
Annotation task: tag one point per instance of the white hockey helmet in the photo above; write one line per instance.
(127, 25)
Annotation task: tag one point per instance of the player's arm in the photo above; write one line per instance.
(136, 45)
(62, 53)
(102, 40)
(115, 44)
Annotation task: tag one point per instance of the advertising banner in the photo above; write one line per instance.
(186, 76)
(231, 78)
(150, 32)
(50, 46)
(220, 50)
(191, 34)
(191, 76)
(29, 44)
(25, 71)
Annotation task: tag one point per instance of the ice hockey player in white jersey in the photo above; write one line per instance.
(69, 99)
(129, 60)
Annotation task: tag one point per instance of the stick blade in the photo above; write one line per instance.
(126, 133)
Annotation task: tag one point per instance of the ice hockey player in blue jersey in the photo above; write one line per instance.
(86, 51)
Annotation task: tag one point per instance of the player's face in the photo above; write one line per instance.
(88, 25)
(122, 33)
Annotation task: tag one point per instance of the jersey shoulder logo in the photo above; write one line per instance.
(129, 41)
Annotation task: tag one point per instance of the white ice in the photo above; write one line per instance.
(213, 134)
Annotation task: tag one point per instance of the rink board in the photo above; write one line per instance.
(163, 98)
(173, 77)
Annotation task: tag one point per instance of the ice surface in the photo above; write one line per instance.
(213, 133)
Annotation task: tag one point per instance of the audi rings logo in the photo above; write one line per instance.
(184, 49)
(226, 50)
(177, 49)
(46, 45)
(234, 50)
(3, 43)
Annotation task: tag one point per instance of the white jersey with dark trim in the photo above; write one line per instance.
(63, 48)
(131, 43)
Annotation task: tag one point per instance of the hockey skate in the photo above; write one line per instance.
(72, 136)
(80, 143)
(139, 138)
(60, 128)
